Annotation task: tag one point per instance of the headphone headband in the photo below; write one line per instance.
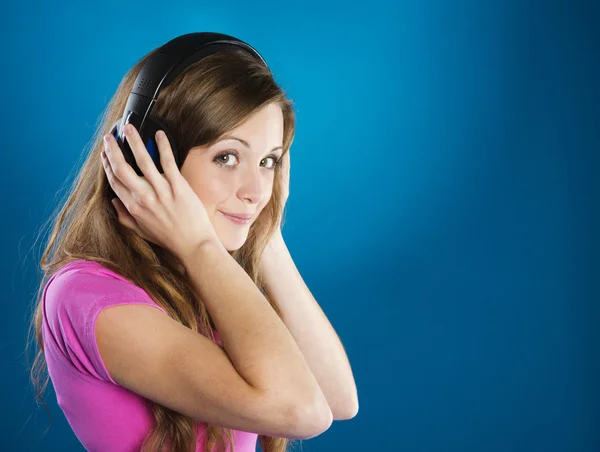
(167, 63)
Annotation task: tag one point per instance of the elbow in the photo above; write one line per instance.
(310, 420)
(347, 408)
(347, 412)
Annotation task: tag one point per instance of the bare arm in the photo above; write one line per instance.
(256, 340)
(311, 329)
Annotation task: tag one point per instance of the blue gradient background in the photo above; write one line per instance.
(443, 205)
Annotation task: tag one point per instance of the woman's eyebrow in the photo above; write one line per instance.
(245, 143)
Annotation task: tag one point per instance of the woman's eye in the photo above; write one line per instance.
(224, 159)
(273, 159)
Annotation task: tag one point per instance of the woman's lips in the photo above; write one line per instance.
(237, 220)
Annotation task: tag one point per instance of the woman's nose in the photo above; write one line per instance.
(251, 185)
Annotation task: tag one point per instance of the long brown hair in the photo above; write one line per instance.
(208, 99)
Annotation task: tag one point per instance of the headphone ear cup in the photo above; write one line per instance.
(152, 124)
(116, 131)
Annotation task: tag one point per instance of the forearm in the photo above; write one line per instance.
(256, 340)
(311, 329)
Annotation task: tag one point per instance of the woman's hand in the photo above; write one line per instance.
(161, 208)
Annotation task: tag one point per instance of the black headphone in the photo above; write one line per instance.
(158, 72)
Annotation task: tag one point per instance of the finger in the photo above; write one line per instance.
(118, 187)
(167, 158)
(125, 218)
(124, 172)
(144, 161)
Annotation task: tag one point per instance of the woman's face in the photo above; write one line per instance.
(233, 177)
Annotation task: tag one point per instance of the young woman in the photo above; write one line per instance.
(172, 313)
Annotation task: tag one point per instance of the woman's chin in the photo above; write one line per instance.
(233, 243)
